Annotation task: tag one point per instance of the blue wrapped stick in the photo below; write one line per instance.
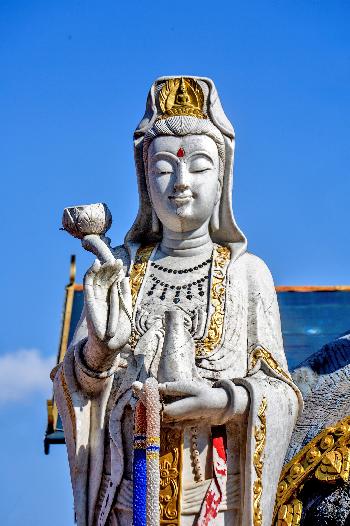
(139, 466)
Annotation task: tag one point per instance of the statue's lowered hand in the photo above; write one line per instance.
(108, 304)
(198, 402)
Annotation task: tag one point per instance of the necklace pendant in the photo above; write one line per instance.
(176, 297)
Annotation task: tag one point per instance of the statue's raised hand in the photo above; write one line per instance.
(106, 289)
(108, 305)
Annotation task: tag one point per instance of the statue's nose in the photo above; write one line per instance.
(181, 183)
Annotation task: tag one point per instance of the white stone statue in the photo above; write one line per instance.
(184, 303)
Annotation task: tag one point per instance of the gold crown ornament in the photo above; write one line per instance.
(181, 96)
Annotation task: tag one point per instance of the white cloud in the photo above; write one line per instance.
(23, 373)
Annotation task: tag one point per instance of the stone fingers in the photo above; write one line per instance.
(90, 274)
(90, 300)
(125, 300)
(179, 389)
(105, 277)
(114, 309)
(120, 324)
(119, 299)
(101, 297)
(184, 409)
(126, 292)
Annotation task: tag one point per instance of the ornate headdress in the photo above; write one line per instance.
(181, 96)
(191, 105)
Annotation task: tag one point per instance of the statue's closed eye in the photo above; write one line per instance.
(200, 165)
(163, 167)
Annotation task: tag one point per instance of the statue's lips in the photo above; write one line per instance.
(181, 199)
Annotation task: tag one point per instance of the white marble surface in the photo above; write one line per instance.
(185, 181)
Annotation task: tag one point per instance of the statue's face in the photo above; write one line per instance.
(183, 180)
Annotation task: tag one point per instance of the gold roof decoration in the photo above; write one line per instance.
(181, 96)
(325, 458)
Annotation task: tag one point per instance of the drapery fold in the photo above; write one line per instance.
(252, 351)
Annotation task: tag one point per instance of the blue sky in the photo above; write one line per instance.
(75, 76)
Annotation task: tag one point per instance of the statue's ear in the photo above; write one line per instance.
(155, 222)
(214, 220)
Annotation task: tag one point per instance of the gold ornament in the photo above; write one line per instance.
(138, 270)
(260, 353)
(258, 462)
(334, 465)
(290, 514)
(326, 458)
(181, 96)
(170, 465)
(221, 259)
(137, 273)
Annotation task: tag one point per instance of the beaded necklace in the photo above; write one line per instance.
(185, 288)
(221, 259)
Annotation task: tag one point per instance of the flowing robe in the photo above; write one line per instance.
(93, 405)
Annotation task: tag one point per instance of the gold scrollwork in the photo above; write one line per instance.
(258, 461)
(290, 514)
(334, 465)
(138, 270)
(327, 442)
(221, 258)
(137, 273)
(326, 458)
(313, 454)
(260, 353)
(170, 465)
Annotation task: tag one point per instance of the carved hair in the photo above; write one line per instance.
(184, 125)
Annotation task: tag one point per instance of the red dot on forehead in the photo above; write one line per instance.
(180, 152)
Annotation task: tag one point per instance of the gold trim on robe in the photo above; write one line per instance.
(258, 462)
